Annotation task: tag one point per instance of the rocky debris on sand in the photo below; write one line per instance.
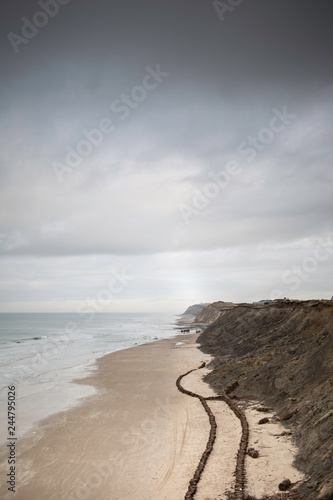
(282, 355)
(253, 453)
(264, 409)
(284, 485)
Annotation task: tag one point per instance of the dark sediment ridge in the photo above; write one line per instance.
(281, 353)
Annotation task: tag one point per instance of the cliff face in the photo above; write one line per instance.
(213, 311)
(194, 310)
(282, 353)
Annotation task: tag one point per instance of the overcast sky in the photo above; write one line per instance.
(156, 154)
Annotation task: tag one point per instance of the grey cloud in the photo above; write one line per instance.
(225, 79)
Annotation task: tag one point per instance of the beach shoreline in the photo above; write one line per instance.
(42, 354)
(138, 438)
(98, 438)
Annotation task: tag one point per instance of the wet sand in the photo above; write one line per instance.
(138, 438)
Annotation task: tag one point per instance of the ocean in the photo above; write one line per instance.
(42, 353)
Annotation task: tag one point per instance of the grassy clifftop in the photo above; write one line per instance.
(282, 353)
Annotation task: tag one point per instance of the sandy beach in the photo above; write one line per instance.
(139, 438)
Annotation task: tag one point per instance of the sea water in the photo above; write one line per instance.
(41, 354)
